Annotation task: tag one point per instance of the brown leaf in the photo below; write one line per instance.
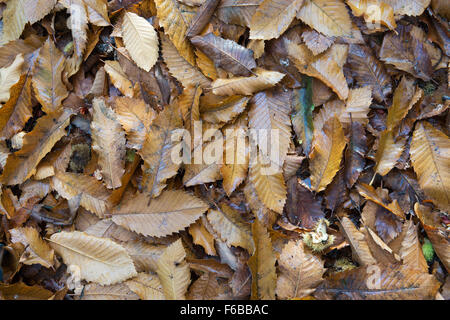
(226, 54)
(202, 18)
(300, 271)
(375, 282)
(36, 144)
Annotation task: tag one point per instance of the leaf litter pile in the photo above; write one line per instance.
(93, 93)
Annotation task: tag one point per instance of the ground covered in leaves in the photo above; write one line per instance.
(94, 93)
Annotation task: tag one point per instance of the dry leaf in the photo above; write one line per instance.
(100, 260)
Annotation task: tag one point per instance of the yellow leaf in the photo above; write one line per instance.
(262, 264)
(98, 12)
(263, 79)
(374, 11)
(171, 212)
(388, 153)
(136, 117)
(269, 184)
(173, 271)
(272, 18)
(202, 237)
(108, 140)
(93, 195)
(100, 260)
(326, 67)
(236, 154)
(430, 157)
(119, 78)
(141, 40)
(329, 17)
(216, 109)
(230, 227)
(326, 155)
(37, 250)
(47, 77)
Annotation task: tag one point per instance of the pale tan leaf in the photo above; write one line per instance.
(79, 26)
(108, 140)
(173, 271)
(100, 260)
(14, 20)
(141, 40)
(230, 227)
(47, 82)
(171, 212)
(37, 250)
(146, 286)
(98, 12)
(136, 117)
(269, 114)
(143, 254)
(263, 79)
(120, 291)
(106, 228)
(93, 195)
(300, 272)
(9, 76)
(157, 151)
(187, 74)
(35, 10)
(358, 242)
(430, 152)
